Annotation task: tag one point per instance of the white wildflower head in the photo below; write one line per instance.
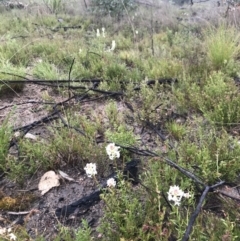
(103, 32)
(8, 233)
(187, 195)
(112, 151)
(98, 33)
(113, 45)
(3, 231)
(12, 236)
(90, 169)
(111, 182)
(175, 194)
(136, 32)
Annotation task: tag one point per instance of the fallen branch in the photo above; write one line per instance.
(19, 213)
(198, 209)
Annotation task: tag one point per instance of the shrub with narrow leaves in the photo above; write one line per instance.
(114, 8)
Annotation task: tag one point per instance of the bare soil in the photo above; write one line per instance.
(40, 218)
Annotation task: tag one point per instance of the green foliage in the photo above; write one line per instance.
(45, 70)
(112, 113)
(203, 144)
(216, 97)
(222, 45)
(45, 50)
(152, 102)
(113, 7)
(10, 72)
(64, 146)
(213, 153)
(176, 130)
(115, 71)
(12, 53)
(76, 149)
(186, 94)
(205, 225)
(220, 100)
(84, 233)
(12, 25)
(123, 213)
(129, 217)
(164, 68)
(121, 135)
(5, 136)
(55, 6)
(64, 233)
(32, 157)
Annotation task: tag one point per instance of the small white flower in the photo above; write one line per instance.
(136, 32)
(103, 32)
(111, 182)
(187, 195)
(2, 231)
(98, 33)
(177, 203)
(12, 236)
(90, 169)
(112, 151)
(113, 45)
(175, 194)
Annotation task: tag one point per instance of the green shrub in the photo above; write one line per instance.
(75, 149)
(222, 45)
(113, 7)
(15, 52)
(5, 134)
(219, 100)
(213, 154)
(123, 214)
(55, 6)
(84, 233)
(121, 135)
(32, 157)
(47, 71)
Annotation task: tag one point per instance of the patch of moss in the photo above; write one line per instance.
(18, 203)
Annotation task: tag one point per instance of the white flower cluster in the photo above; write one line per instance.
(111, 182)
(113, 46)
(175, 194)
(113, 151)
(99, 34)
(8, 232)
(90, 169)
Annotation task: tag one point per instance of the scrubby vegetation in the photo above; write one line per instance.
(177, 79)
